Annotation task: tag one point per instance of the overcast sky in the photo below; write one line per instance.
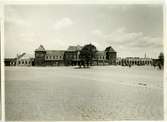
(132, 30)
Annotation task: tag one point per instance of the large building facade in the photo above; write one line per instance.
(71, 56)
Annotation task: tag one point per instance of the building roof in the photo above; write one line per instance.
(100, 53)
(55, 52)
(10, 59)
(110, 49)
(25, 56)
(40, 48)
(74, 48)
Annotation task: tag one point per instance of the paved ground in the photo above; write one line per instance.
(98, 93)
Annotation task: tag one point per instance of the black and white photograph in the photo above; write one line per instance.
(0, 74)
(83, 62)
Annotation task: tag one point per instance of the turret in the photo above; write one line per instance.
(111, 55)
(40, 53)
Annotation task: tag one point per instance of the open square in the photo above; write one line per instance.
(97, 93)
(83, 62)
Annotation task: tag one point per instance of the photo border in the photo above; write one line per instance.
(113, 2)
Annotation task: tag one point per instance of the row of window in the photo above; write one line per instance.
(74, 57)
(24, 62)
(101, 57)
(54, 57)
(69, 56)
(145, 62)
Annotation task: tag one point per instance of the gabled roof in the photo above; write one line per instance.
(110, 49)
(40, 48)
(25, 56)
(55, 52)
(74, 48)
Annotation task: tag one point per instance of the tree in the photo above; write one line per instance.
(87, 54)
(161, 58)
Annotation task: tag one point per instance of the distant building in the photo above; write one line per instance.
(71, 56)
(134, 61)
(48, 57)
(24, 60)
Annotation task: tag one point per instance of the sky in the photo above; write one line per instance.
(131, 29)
